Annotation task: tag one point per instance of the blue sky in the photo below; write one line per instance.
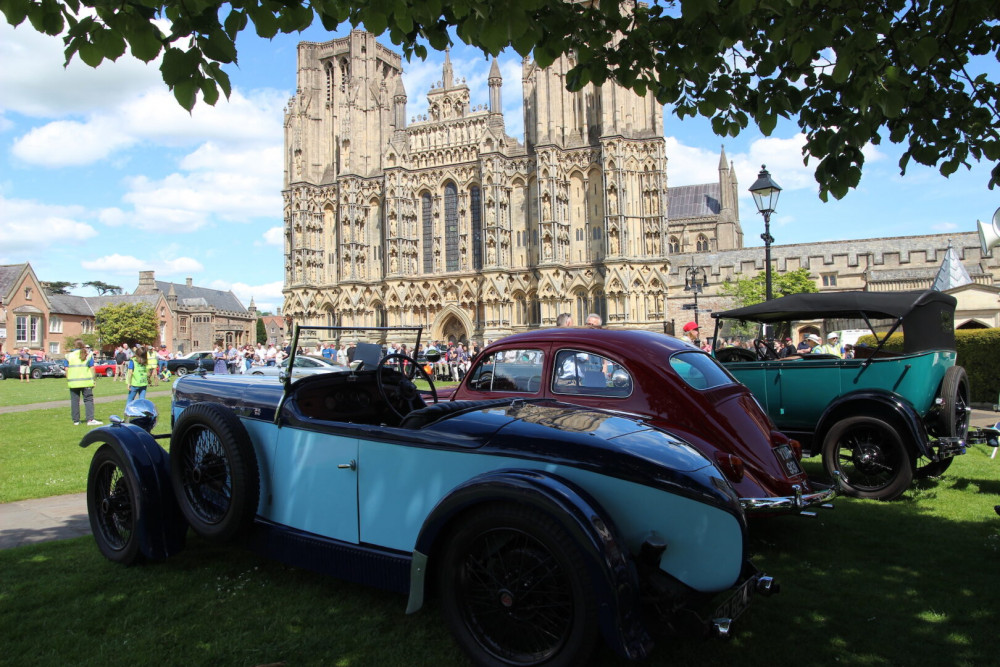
(103, 175)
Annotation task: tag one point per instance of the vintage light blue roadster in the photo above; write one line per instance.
(540, 526)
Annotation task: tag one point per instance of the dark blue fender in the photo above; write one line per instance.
(160, 526)
(875, 403)
(608, 560)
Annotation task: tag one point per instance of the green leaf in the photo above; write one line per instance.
(235, 22)
(15, 11)
(186, 93)
(767, 123)
(209, 92)
(91, 54)
(179, 66)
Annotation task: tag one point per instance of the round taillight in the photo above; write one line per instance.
(730, 465)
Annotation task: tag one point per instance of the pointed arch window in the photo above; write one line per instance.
(475, 208)
(426, 206)
(451, 257)
(675, 244)
(702, 243)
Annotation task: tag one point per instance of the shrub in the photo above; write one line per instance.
(977, 352)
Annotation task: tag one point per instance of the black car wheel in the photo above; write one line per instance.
(870, 457)
(113, 503)
(36, 373)
(109, 373)
(214, 471)
(954, 416)
(181, 371)
(515, 590)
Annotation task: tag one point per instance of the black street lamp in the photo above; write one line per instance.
(695, 280)
(765, 194)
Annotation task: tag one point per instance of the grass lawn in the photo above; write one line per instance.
(39, 452)
(911, 582)
(15, 392)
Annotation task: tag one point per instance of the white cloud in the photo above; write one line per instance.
(35, 83)
(275, 236)
(130, 265)
(68, 143)
(29, 225)
(266, 296)
(155, 119)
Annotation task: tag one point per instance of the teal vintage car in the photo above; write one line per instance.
(879, 419)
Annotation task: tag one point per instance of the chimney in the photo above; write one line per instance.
(187, 281)
(147, 283)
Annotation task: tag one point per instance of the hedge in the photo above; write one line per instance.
(978, 351)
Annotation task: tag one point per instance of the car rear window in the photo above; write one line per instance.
(517, 370)
(700, 371)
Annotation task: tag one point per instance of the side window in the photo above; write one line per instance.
(587, 374)
(514, 370)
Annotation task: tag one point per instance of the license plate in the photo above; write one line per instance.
(739, 601)
(788, 460)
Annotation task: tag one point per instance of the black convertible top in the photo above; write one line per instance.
(928, 316)
(839, 304)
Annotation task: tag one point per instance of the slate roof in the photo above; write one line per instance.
(694, 201)
(202, 296)
(68, 304)
(8, 274)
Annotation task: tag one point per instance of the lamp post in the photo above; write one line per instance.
(765, 195)
(695, 280)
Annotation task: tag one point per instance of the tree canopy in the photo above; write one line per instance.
(849, 72)
(748, 291)
(127, 323)
(103, 287)
(57, 286)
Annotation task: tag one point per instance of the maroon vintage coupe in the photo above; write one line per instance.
(677, 387)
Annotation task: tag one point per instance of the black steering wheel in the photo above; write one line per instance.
(764, 349)
(404, 393)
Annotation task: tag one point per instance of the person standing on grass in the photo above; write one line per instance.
(139, 373)
(80, 376)
(24, 359)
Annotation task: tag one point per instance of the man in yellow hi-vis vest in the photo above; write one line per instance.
(80, 375)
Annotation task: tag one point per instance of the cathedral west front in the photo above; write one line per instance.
(448, 222)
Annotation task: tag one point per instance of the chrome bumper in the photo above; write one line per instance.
(795, 503)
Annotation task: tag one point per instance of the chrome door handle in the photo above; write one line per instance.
(353, 465)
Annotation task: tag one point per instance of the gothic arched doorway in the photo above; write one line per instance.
(453, 331)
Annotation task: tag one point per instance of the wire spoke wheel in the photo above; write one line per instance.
(214, 472)
(515, 591)
(516, 595)
(112, 506)
(870, 457)
(206, 475)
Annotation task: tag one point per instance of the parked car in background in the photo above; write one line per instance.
(106, 368)
(304, 365)
(39, 369)
(879, 419)
(540, 526)
(670, 384)
(191, 362)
